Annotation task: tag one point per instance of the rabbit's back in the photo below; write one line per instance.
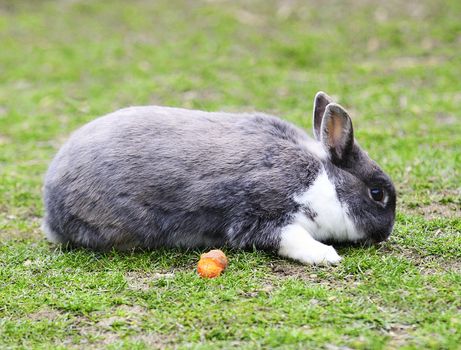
(157, 176)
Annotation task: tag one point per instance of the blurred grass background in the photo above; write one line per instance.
(394, 65)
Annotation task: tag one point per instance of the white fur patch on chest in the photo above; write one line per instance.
(322, 214)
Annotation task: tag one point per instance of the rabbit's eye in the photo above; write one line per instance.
(377, 194)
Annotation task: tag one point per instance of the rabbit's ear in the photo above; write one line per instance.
(337, 135)
(320, 103)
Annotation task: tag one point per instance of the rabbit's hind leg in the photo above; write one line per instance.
(51, 234)
(78, 233)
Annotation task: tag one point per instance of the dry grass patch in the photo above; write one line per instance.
(140, 280)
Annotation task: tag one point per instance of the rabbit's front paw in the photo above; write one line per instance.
(322, 255)
(296, 243)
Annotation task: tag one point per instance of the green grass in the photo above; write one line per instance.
(396, 67)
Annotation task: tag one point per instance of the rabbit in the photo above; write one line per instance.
(147, 177)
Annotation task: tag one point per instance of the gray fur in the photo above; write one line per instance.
(154, 176)
(148, 177)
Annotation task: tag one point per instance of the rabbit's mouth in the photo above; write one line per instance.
(373, 240)
(364, 242)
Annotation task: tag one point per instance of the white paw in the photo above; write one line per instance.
(297, 244)
(323, 255)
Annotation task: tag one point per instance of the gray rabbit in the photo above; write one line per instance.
(148, 177)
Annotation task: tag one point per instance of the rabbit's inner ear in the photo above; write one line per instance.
(335, 129)
(337, 133)
(320, 103)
